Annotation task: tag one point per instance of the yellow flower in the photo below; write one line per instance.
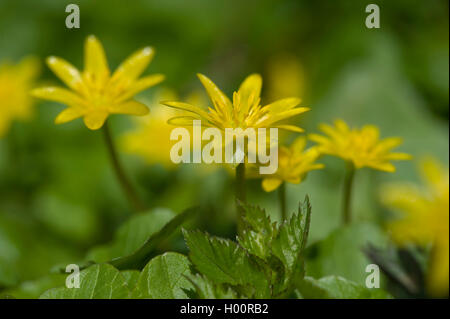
(244, 112)
(16, 81)
(151, 137)
(425, 220)
(285, 76)
(293, 165)
(94, 93)
(362, 147)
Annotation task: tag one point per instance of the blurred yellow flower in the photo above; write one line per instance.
(16, 81)
(244, 112)
(94, 93)
(285, 76)
(294, 163)
(425, 219)
(362, 147)
(151, 137)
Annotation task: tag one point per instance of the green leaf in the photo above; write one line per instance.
(164, 277)
(34, 288)
(206, 289)
(132, 235)
(140, 257)
(131, 278)
(291, 241)
(259, 231)
(224, 261)
(101, 281)
(341, 254)
(335, 287)
(78, 223)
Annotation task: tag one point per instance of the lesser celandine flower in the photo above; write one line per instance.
(245, 111)
(16, 81)
(360, 148)
(285, 76)
(294, 163)
(95, 93)
(424, 220)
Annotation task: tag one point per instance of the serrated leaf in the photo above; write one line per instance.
(224, 261)
(335, 287)
(206, 289)
(258, 233)
(291, 241)
(164, 277)
(100, 281)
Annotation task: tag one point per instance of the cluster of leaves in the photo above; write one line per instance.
(266, 261)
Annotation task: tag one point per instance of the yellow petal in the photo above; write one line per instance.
(271, 184)
(385, 167)
(282, 105)
(294, 179)
(186, 107)
(298, 145)
(320, 139)
(67, 73)
(182, 120)
(130, 107)
(292, 128)
(316, 166)
(250, 88)
(371, 133)
(433, 173)
(58, 94)
(94, 121)
(140, 85)
(68, 115)
(219, 99)
(341, 126)
(281, 116)
(133, 66)
(330, 130)
(388, 144)
(398, 156)
(95, 61)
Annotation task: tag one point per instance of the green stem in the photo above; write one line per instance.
(282, 199)
(348, 186)
(240, 194)
(127, 187)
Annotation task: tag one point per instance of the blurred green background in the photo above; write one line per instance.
(58, 194)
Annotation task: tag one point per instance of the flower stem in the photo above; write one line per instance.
(348, 185)
(240, 194)
(282, 199)
(127, 187)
